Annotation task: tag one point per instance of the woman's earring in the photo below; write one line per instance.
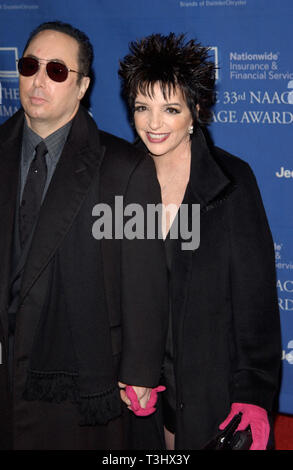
(190, 130)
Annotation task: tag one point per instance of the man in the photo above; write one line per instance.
(78, 313)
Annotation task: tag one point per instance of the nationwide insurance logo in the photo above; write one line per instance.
(9, 90)
(247, 96)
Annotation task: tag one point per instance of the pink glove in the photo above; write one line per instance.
(150, 406)
(255, 417)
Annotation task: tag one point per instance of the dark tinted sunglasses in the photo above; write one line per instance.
(56, 71)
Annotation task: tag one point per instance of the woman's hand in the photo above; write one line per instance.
(141, 400)
(255, 417)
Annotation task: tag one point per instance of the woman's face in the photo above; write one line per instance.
(163, 124)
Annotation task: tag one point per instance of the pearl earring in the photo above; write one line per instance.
(190, 130)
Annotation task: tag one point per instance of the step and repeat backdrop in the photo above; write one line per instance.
(251, 43)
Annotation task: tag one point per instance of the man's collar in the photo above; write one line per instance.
(54, 141)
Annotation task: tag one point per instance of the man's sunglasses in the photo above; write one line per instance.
(56, 71)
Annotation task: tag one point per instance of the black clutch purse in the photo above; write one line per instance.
(228, 439)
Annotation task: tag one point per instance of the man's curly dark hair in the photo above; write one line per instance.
(172, 62)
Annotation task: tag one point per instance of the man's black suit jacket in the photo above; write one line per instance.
(135, 287)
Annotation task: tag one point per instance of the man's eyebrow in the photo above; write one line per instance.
(47, 60)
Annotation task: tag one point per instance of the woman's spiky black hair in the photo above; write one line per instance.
(170, 61)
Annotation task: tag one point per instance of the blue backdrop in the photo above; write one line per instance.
(251, 43)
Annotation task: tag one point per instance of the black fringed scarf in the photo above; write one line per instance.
(72, 356)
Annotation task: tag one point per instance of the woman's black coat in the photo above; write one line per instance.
(225, 312)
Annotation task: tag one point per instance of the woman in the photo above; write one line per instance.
(223, 352)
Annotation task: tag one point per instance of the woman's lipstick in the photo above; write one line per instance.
(157, 138)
